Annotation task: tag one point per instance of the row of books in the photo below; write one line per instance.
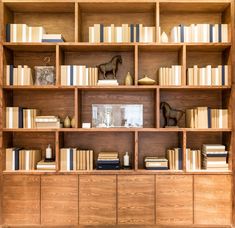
(217, 76)
(175, 158)
(205, 33)
(20, 75)
(170, 75)
(193, 159)
(125, 33)
(79, 75)
(25, 33)
(108, 161)
(204, 117)
(20, 159)
(74, 159)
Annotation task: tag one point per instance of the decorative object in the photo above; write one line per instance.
(126, 161)
(67, 122)
(73, 122)
(146, 81)
(164, 38)
(117, 115)
(45, 75)
(49, 154)
(111, 67)
(171, 114)
(86, 125)
(129, 80)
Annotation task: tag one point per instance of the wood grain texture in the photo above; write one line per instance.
(59, 200)
(97, 199)
(136, 199)
(21, 199)
(174, 200)
(212, 199)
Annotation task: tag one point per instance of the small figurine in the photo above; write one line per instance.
(129, 80)
(164, 38)
(110, 67)
(67, 122)
(170, 113)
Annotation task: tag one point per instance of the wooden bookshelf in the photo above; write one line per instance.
(137, 196)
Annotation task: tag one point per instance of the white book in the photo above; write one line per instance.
(52, 36)
(208, 75)
(215, 77)
(68, 159)
(81, 74)
(10, 115)
(85, 79)
(179, 34)
(215, 32)
(220, 118)
(174, 35)
(27, 157)
(13, 160)
(112, 33)
(14, 32)
(177, 75)
(125, 33)
(91, 34)
(24, 33)
(202, 76)
(97, 33)
(187, 34)
(224, 28)
(118, 34)
(205, 33)
(195, 75)
(226, 73)
(75, 75)
(68, 80)
(195, 34)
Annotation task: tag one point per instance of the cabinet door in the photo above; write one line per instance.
(21, 199)
(97, 199)
(174, 199)
(136, 199)
(59, 199)
(212, 199)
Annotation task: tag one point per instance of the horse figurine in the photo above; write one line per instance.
(110, 67)
(170, 113)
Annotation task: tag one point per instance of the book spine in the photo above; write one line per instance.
(137, 33)
(181, 33)
(101, 33)
(20, 116)
(219, 33)
(180, 159)
(70, 159)
(211, 33)
(16, 153)
(132, 32)
(209, 117)
(223, 75)
(71, 75)
(11, 75)
(8, 33)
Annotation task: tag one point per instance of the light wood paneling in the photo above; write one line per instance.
(136, 199)
(212, 199)
(97, 199)
(174, 200)
(21, 199)
(59, 200)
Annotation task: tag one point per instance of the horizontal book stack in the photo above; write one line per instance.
(108, 161)
(204, 117)
(25, 33)
(108, 82)
(79, 75)
(73, 159)
(47, 122)
(196, 33)
(20, 75)
(46, 165)
(170, 75)
(19, 159)
(217, 76)
(156, 163)
(118, 34)
(214, 157)
(193, 159)
(175, 158)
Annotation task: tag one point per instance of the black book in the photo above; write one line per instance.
(101, 33)
(21, 118)
(8, 33)
(157, 168)
(71, 74)
(11, 74)
(17, 158)
(132, 32)
(108, 167)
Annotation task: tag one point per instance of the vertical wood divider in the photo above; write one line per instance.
(57, 150)
(77, 23)
(157, 22)
(157, 108)
(184, 145)
(136, 152)
(76, 100)
(136, 59)
(182, 61)
(58, 63)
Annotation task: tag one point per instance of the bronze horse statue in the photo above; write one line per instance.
(110, 67)
(170, 113)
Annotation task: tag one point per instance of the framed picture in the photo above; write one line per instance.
(44, 75)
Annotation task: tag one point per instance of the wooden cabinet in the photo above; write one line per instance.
(174, 199)
(212, 199)
(136, 199)
(21, 199)
(97, 199)
(59, 199)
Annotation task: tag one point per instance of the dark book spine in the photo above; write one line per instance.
(107, 162)
(17, 151)
(71, 75)
(157, 168)
(71, 159)
(132, 32)
(209, 117)
(108, 167)
(21, 119)
(101, 33)
(211, 33)
(220, 33)
(216, 155)
(8, 33)
(223, 75)
(11, 74)
(52, 40)
(181, 33)
(180, 159)
(137, 33)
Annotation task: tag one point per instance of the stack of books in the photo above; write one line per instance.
(74, 159)
(217, 76)
(108, 161)
(125, 33)
(20, 75)
(193, 159)
(170, 75)
(205, 33)
(156, 163)
(175, 158)
(108, 82)
(29, 116)
(46, 165)
(19, 159)
(25, 33)
(204, 117)
(47, 122)
(78, 75)
(214, 157)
